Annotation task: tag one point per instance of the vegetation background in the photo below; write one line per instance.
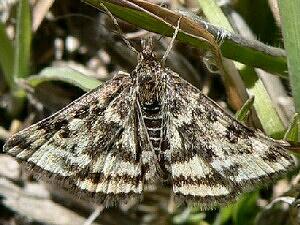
(51, 52)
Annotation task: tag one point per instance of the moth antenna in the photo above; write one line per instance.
(119, 29)
(164, 58)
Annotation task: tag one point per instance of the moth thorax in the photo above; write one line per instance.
(149, 90)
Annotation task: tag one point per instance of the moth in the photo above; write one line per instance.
(147, 128)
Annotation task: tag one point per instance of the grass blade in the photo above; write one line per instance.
(67, 75)
(243, 113)
(21, 68)
(22, 43)
(289, 12)
(144, 15)
(6, 56)
(263, 105)
(292, 133)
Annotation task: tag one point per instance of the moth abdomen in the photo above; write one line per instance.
(152, 116)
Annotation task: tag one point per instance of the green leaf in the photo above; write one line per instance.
(292, 133)
(289, 12)
(224, 216)
(64, 74)
(246, 209)
(6, 56)
(243, 113)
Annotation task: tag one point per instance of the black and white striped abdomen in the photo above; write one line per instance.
(153, 120)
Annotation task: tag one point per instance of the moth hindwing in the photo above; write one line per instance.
(144, 128)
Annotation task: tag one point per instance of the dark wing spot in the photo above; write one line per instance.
(273, 154)
(233, 132)
(17, 140)
(82, 112)
(73, 148)
(231, 136)
(232, 170)
(59, 123)
(97, 178)
(52, 125)
(206, 152)
(212, 115)
(65, 132)
(211, 179)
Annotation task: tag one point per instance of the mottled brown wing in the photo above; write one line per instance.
(129, 166)
(90, 145)
(213, 157)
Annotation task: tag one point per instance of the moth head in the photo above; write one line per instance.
(147, 49)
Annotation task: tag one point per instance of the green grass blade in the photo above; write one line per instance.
(214, 14)
(234, 48)
(273, 63)
(23, 41)
(246, 209)
(243, 113)
(263, 104)
(289, 12)
(22, 49)
(292, 133)
(6, 56)
(64, 74)
(224, 216)
(248, 51)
